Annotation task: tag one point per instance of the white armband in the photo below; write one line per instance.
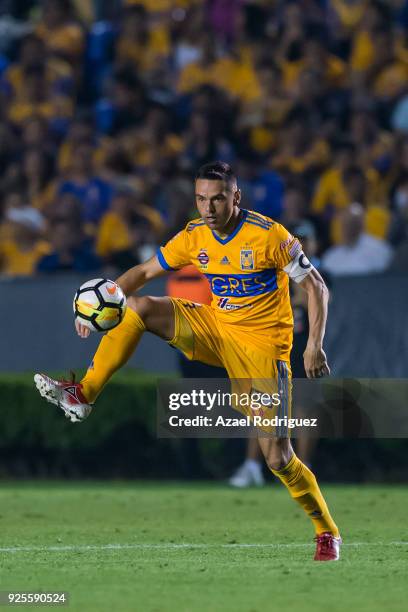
(299, 267)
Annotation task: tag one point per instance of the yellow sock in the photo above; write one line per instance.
(113, 352)
(302, 485)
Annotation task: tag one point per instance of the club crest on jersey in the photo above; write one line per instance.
(247, 259)
(203, 259)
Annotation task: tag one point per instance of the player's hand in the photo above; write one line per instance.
(315, 361)
(82, 331)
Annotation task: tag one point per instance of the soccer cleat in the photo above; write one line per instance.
(249, 474)
(327, 547)
(66, 395)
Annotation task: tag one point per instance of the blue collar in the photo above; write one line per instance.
(235, 232)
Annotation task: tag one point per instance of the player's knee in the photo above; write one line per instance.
(275, 462)
(141, 305)
(279, 455)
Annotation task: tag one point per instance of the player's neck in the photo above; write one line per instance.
(231, 225)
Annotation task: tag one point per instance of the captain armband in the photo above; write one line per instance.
(299, 267)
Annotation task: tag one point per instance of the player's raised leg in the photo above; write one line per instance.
(303, 488)
(143, 314)
(116, 347)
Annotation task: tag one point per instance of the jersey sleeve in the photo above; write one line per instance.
(175, 254)
(282, 247)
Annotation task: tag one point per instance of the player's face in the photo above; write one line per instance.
(217, 202)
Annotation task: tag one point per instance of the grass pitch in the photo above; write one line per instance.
(192, 548)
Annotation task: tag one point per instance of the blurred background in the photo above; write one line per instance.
(107, 108)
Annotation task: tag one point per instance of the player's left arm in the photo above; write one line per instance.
(315, 359)
(289, 256)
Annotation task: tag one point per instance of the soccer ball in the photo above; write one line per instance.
(99, 304)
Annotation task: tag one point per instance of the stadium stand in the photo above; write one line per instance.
(107, 109)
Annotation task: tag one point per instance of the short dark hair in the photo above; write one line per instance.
(217, 171)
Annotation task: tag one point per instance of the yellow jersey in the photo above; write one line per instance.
(245, 271)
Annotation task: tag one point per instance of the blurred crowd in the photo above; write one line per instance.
(107, 108)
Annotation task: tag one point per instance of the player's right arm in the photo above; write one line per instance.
(174, 255)
(130, 281)
(135, 278)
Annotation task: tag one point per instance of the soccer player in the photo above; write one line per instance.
(248, 259)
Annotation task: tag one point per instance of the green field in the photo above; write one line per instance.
(180, 547)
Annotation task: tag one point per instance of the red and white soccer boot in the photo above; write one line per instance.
(67, 395)
(327, 547)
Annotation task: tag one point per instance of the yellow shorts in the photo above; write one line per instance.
(244, 353)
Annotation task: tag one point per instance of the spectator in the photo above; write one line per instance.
(315, 57)
(348, 14)
(373, 146)
(83, 182)
(263, 115)
(37, 170)
(125, 107)
(233, 75)
(377, 217)
(81, 130)
(140, 42)
(388, 74)
(66, 208)
(153, 139)
(17, 210)
(21, 243)
(125, 230)
(35, 134)
(58, 73)
(294, 205)
(331, 188)
(358, 252)
(36, 101)
(202, 143)
(59, 30)
(300, 151)
(186, 50)
(140, 101)
(262, 189)
(69, 250)
(374, 16)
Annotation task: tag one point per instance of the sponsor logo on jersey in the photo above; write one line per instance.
(243, 285)
(203, 258)
(225, 261)
(225, 304)
(247, 259)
